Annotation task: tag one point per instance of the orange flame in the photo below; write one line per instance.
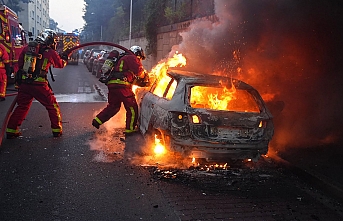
(178, 60)
(159, 149)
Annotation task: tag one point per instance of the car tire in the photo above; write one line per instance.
(93, 70)
(97, 73)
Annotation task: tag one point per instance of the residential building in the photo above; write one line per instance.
(34, 16)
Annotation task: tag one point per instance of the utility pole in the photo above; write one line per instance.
(101, 33)
(130, 23)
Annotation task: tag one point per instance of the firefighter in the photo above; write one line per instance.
(4, 71)
(34, 84)
(127, 69)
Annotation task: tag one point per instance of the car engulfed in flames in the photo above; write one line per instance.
(205, 117)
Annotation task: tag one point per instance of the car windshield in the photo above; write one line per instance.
(165, 87)
(222, 98)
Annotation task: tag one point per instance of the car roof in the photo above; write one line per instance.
(206, 79)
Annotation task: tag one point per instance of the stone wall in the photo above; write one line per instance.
(167, 37)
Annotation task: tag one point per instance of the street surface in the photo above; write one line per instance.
(87, 174)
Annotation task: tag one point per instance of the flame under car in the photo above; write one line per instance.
(206, 116)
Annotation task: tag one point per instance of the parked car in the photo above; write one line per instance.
(90, 55)
(94, 56)
(207, 117)
(97, 64)
(87, 53)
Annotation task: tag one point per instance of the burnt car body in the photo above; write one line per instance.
(241, 130)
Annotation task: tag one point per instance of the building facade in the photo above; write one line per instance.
(35, 16)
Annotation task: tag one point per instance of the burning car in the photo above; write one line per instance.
(207, 117)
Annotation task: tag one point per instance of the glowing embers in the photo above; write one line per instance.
(222, 98)
(207, 167)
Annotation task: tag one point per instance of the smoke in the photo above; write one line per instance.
(106, 142)
(289, 50)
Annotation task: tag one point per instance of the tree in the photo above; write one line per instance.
(154, 18)
(96, 18)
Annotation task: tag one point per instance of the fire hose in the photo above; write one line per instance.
(67, 52)
(70, 50)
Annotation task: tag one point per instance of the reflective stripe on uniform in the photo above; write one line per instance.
(58, 115)
(9, 130)
(98, 120)
(39, 79)
(117, 81)
(56, 130)
(4, 84)
(121, 65)
(133, 114)
(45, 62)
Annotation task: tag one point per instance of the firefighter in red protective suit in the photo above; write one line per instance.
(4, 70)
(126, 71)
(34, 63)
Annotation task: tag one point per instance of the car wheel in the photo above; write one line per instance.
(97, 73)
(93, 70)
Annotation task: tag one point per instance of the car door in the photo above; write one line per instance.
(151, 103)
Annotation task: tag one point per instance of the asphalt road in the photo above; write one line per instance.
(87, 175)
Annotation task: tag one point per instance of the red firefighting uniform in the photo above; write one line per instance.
(38, 89)
(4, 60)
(120, 91)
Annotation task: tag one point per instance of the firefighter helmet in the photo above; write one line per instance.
(113, 54)
(49, 38)
(138, 51)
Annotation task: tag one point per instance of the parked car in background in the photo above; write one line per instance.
(90, 62)
(95, 61)
(87, 53)
(97, 64)
(91, 55)
(205, 117)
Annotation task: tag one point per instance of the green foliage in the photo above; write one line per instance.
(154, 17)
(147, 17)
(97, 17)
(177, 15)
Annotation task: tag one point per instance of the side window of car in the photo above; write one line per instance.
(171, 90)
(165, 87)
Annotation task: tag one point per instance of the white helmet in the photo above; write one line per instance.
(138, 51)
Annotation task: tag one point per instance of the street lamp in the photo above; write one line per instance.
(100, 32)
(92, 13)
(130, 23)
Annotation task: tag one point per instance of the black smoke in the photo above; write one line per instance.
(289, 50)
